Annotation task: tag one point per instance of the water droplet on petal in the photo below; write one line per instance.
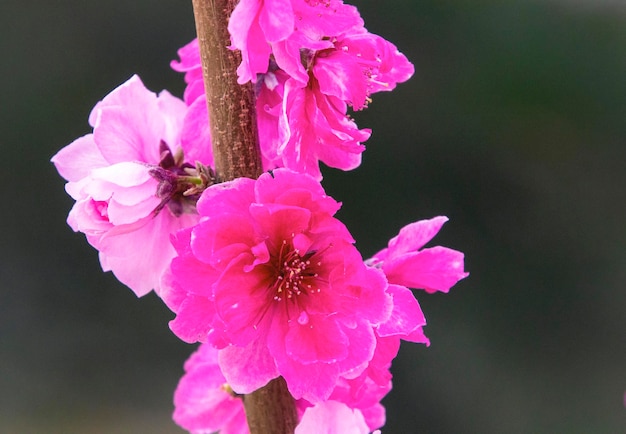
(303, 319)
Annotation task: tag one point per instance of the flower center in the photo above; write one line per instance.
(296, 274)
(180, 184)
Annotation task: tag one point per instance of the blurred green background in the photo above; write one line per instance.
(514, 126)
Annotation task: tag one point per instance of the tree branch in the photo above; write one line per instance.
(232, 117)
(231, 106)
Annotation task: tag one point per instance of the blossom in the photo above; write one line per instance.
(318, 130)
(365, 391)
(272, 279)
(358, 64)
(405, 262)
(124, 178)
(257, 27)
(305, 89)
(346, 73)
(332, 417)
(203, 400)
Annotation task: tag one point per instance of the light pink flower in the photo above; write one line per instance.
(332, 417)
(272, 278)
(203, 401)
(122, 177)
(405, 262)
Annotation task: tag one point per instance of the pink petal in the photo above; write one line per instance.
(194, 319)
(276, 19)
(313, 382)
(141, 266)
(247, 368)
(332, 417)
(406, 316)
(217, 241)
(76, 160)
(202, 404)
(242, 300)
(434, 269)
(280, 222)
(307, 340)
(196, 133)
(414, 236)
(340, 75)
(128, 125)
(325, 18)
(233, 197)
(172, 112)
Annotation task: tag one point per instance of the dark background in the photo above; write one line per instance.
(514, 126)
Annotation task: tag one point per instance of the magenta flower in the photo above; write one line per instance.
(190, 65)
(357, 65)
(304, 93)
(406, 263)
(124, 177)
(365, 391)
(318, 130)
(203, 400)
(406, 321)
(315, 117)
(271, 278)
(256, 26)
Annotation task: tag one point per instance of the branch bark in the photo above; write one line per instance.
(232, 117)
(232, 114)
(271, 409)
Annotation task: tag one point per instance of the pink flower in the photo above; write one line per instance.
(406, 320)
(256, 26)
(203, 400)
(304, 94)
(123, 178)
(365, 391)
(314, 114)
(358, 64)
(331, 417)
(318, 130)
(364, 394)
(271, 278)
(406, 263)
(190, 65)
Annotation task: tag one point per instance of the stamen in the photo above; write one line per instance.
(294, 273)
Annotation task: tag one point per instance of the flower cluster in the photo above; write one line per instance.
(261, 272)
(271, 280)
(310, 61)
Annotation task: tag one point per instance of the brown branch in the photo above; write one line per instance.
(234, 135)
(271, 409)
(231, 106)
